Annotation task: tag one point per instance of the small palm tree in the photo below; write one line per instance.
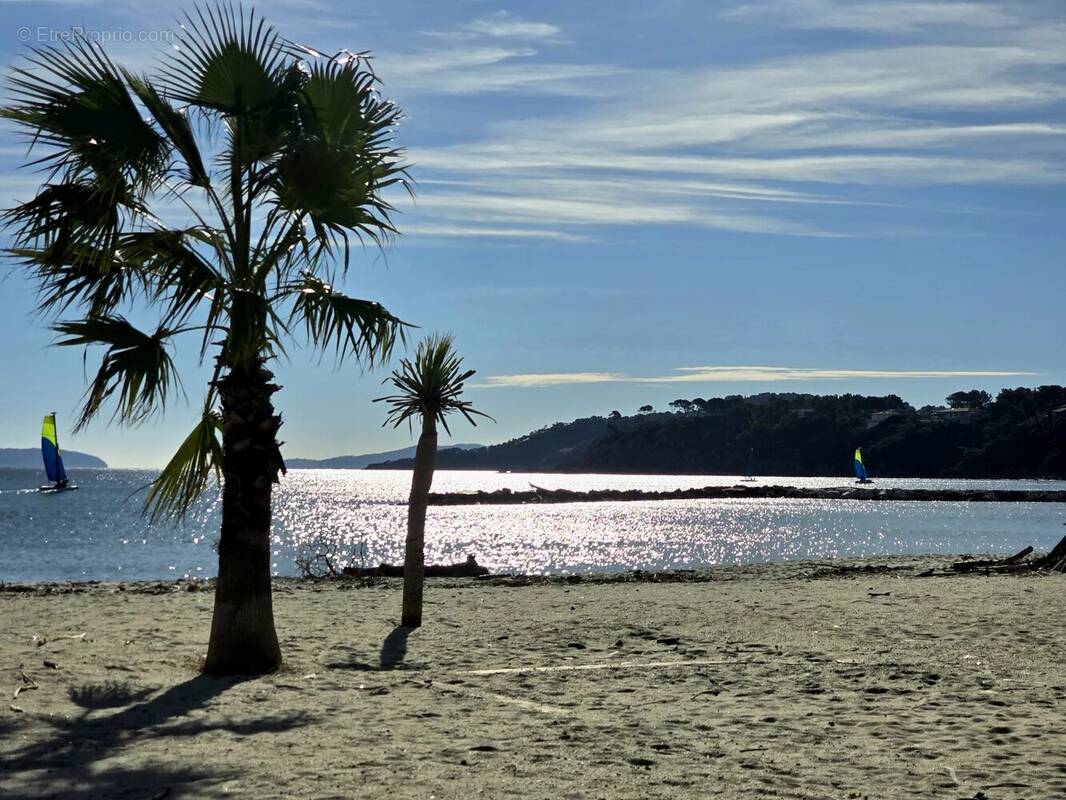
(222, 193)
(429, 389)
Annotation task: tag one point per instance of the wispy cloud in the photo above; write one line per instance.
(540, 379)
(935, 93)
(492, 54)
(889, 135)
(460, 230)
(503, 24)
(958, 92)
(852, 168)
(739, 374)
(599, 209)
(475, 205)
(706, 374)
(880, 15)
(490, 69)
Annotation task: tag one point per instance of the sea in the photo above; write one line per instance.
(359, 517)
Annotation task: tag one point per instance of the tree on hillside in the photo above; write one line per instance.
(682, 406)
(276, 157)
(615, 415)
(429, 389)
(645, 410)
(972, 399)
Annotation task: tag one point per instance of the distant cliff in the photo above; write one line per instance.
(30, 458)
(1019, 434)
(360, 462)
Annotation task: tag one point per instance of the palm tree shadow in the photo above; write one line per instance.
(109, 694)
(61, 764)
(138, 712)
(394, 648)
(392, 656)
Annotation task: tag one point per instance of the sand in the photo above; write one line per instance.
(795, 681)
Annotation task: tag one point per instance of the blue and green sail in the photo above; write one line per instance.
(860, 470)
(53, 459)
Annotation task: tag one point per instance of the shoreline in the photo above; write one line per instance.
(805, 569)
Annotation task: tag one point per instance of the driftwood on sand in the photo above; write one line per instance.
(465, 569)
(1055, 561)
(972, 565)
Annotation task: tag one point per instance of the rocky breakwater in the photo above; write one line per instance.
(539, 495)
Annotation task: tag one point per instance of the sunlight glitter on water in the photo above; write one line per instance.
(688, 534)
(99, 533)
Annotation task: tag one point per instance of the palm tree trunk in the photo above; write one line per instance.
(414, 562)
(243, 639)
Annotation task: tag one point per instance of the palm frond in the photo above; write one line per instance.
(72, 99)
(174, 124)
(186, 475)
(347, 325)
(180, 276)
(341, 158)
(431, 385)
(136, 365)
(226, 62)
(86, 276)
(72, 212)
(67, 236)
(264, 132)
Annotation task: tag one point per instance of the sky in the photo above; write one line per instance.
(621, 203)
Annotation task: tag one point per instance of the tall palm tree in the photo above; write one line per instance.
(222, 193)
(429, 389)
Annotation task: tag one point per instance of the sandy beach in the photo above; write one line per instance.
(793, 681)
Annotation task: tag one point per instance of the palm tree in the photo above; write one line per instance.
(222, 193)
(430, 388)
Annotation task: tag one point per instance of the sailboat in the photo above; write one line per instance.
(860, 469)
(53, 458)
(749, 478)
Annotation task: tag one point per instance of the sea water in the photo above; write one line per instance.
(99, 532)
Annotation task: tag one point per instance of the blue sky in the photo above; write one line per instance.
(626, 203)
